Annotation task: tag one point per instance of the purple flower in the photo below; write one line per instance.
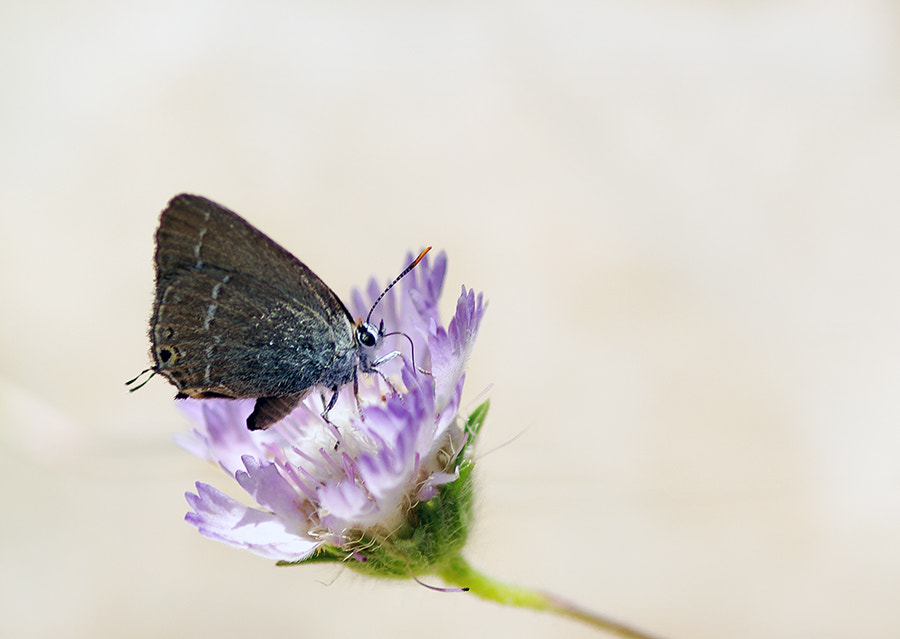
(373, 474)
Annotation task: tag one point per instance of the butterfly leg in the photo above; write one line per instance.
(331, 403)
(388, 382)
(385, 358)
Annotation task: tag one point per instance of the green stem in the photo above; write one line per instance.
(458, 572)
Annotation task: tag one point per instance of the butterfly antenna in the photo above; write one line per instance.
(396, 279)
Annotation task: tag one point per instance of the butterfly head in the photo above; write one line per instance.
(369, 336)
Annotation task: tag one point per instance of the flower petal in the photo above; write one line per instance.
(223, 435)
(451, 348)
(271, 490)
(224, 519)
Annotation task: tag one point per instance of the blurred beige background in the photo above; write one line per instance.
(684, 214)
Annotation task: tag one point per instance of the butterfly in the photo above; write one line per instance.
(237, 316)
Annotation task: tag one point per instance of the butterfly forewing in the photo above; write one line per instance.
(195, 232)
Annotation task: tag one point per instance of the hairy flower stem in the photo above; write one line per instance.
(458, 572)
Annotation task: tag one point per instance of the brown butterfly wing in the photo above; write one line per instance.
(236, 315)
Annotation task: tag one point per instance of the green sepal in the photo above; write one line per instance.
(322, 555)
(473, 427)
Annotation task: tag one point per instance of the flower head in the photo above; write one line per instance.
(385, 481)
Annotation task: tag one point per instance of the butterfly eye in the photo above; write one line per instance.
(367, 335)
